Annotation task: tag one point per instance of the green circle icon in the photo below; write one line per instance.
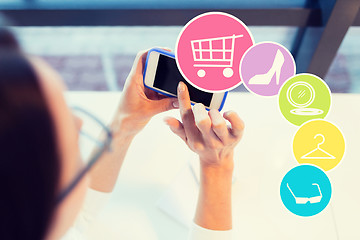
(304, 97)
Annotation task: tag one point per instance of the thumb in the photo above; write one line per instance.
(139, 62)
(164, 105)
(176, 127)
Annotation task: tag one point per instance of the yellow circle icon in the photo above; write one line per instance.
(319, 142)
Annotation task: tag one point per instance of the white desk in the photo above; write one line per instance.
(262, 158)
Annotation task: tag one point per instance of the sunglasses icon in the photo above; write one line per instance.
(304, 200)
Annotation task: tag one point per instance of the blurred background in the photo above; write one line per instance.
(92, 43)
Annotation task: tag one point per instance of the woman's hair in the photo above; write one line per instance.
(29, 164)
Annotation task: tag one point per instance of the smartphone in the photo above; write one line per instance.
(162, 75)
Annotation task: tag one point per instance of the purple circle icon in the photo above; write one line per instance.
(265, 67)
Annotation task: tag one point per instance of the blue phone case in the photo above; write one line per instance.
(172, 55)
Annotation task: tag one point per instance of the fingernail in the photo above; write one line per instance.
(199, 106)
(175, 104)
(228, 113)
(181, 87)
(216, 117)
(168, 49)
(166, 119)
(200, 113)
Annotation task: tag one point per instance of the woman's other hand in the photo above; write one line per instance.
(139, 104)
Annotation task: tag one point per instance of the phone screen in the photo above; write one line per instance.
(168, 76)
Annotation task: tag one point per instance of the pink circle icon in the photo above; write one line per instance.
(265, 67)
(209, 49)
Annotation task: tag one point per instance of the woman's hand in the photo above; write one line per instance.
(139, 104)
(206, 133)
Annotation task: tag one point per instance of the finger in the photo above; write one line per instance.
(203, 123)
(186, 113)
(184, 98)
(137, 69)
(154, 95)
(162, 96)
(163, 105)
(141, 63)
(237, 125)
(140, 60)
(218, 125)
(165, 48)
(202, 119)
(176, 127)
(150, 94)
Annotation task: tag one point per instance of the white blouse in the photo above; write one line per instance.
(95, 200)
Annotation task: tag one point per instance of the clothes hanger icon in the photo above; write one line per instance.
(328, 155)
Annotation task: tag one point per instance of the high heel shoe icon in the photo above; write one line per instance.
(265, 79)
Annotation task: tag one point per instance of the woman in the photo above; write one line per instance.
(44, 180)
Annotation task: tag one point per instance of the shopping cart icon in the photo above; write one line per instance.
(214, 52)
